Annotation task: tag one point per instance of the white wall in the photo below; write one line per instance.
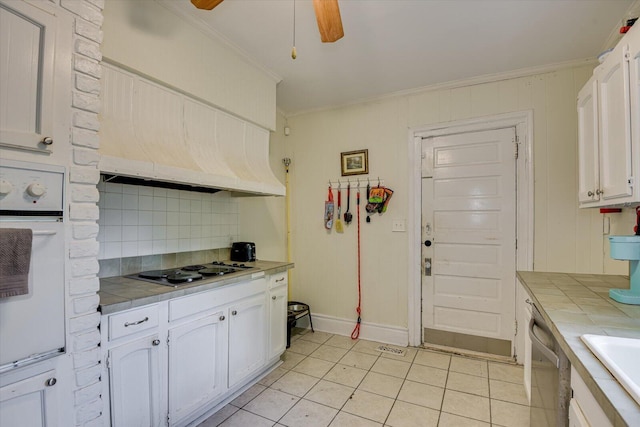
(566, 238)
(148, 38)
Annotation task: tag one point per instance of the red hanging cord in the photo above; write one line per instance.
(356, 331)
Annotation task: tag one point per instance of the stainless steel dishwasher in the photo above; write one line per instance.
(550, 376)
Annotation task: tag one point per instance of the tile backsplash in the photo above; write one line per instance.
(138, 221)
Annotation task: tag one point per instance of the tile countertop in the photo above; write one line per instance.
(122, 293)
(577, 304)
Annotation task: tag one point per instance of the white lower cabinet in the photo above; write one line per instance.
(29, 402)
(169, 363)
(247, 338)
(277, 320)
(197, 364)
(135, 380)
(584, 410)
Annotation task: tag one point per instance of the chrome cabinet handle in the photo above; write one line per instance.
(155, 342)
(50, 382)
(47, 140)
(127, 324)
(222, 318)
(279, 280)
(599, 192)
(590, 193)
(234, 312)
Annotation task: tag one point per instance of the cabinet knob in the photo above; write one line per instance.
(234, 312)
(47, 140)
(590, 193)
(50, 382)
(599, 192)
(273, 297)
(222, 318)
(155, 342)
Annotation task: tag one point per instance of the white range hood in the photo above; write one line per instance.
(151, 132)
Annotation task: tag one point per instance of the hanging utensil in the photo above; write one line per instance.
(368, 194)
(347, 215)
(328, 210)
(339, 227)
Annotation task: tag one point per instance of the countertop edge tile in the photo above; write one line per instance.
(144, 293)
(617, 404)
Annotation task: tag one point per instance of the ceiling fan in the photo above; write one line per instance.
(327, 15)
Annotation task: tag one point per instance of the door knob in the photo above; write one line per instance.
(50, 382)
(155, 342)
(427, 243)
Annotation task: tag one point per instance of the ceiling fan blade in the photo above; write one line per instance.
(329, 21)
(206, 4)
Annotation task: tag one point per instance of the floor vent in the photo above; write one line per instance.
(391, 350)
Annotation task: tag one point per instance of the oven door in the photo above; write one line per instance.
(32, 325)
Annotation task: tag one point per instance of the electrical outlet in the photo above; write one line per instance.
(398, 225)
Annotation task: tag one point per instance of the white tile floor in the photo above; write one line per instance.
(330, 380)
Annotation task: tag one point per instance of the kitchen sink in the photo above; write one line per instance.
(621, 356)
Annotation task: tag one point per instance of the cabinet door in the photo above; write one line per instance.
(30, 402)
(197, 364)
(588, 143)
(277, 321)
(135, 383)
(26, 75)
(247, 338)
(615, 125)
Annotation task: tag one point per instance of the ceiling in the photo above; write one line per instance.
(392, 46)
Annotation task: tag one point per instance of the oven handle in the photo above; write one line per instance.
(44, 232)
(546, 351)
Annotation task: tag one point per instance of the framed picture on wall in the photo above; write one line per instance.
(354, 162)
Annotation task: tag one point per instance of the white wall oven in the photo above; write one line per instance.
(32, 321)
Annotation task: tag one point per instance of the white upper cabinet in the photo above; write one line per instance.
(608, 144)
(27, 48)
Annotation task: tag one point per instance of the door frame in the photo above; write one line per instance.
(523, 122)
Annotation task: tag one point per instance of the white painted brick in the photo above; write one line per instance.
(83, 249)
(88, 30)
(85, 230)
(84, 193)
(85, 138)
(98, 3)
(86, 304)
(88, 48)
(88, 412)
(87, 66)
(85, 341)
(84, 267)
(87, 84)
(84, 285)
(96, 422)
(88, 376)
(83, 211)
(86, 157)
(84, 175)
(88, 394)
(84, 10)
(86, 101)
(85, 322)
(86, 120)
(83, 359)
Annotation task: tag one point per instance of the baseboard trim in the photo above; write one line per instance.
(368, 331)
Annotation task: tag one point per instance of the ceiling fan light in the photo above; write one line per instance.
(329, 20)
(206, 4)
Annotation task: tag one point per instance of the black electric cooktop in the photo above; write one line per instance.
(189, 273)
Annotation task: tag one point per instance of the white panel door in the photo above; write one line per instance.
(615, 125)
(30, 402)
(469, 223)
(197, 364)
(27, 44)
(278, 321)
(588, 167)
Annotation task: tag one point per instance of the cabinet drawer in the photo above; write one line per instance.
(278, 279)
(130, 322)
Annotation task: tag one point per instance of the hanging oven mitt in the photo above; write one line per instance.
(328, 210)
(382, 208)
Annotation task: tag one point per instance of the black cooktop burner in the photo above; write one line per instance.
(216, 271)
(193, 267)
(171, 276)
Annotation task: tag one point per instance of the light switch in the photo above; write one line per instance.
(398, 225)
